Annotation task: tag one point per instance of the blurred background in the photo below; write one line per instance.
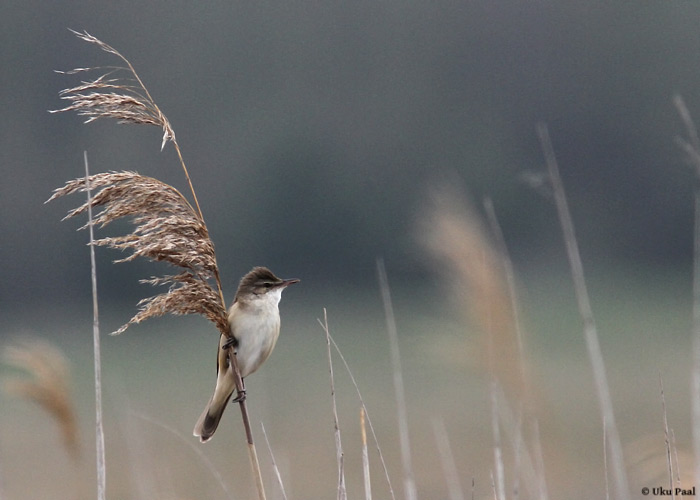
(318, 136)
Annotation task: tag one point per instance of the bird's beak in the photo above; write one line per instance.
(286, 283)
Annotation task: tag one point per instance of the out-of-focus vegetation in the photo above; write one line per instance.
(312, 133)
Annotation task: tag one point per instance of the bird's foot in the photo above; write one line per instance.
(240, 397)
(230, 342)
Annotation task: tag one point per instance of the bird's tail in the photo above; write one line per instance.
(210, 418)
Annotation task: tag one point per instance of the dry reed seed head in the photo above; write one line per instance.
(167, 229)
(124, 99)
(454, 235)
(188, 294)
(49, 385)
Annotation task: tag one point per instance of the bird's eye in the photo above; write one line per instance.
(267, 284)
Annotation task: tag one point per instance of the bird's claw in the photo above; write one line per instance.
(240, 397)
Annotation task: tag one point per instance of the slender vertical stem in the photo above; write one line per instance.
(253, 456)
(500, 479)
(409, 481)
(365, 456)
(99, 430)
(667, 439)
(586, 313)
(696, 333)
(692, 150)
(449, 467)
(274, 463)
(340, 456)
(605, 462)
(252, 453)
(366, 414)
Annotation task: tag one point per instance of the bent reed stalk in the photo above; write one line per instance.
(168, 228)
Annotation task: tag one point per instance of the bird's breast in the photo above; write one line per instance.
(257, 331)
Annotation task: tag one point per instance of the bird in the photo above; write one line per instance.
(254, 323)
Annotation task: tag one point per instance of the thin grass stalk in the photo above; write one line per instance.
(197, 450)
(217, 276)
(517, 455)
(531, 466)
(605, 461)
(692, 150)
(525, 467)
(500, 479)
(252, 453)
(2, 488)
(447, 459)
(586, 313)
(667, 438)
(539, 460)
(675, 458)
(140, 457)
(274, 463)
(99, 424)
(366, 412)
(509, 273)
(409, 480)
(365, 457)
(342, 492)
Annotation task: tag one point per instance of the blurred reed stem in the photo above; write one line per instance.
(584, 305)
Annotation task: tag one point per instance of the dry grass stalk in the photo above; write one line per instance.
(649, 461)
(340, 456)
(210, 466)
(49, 385)
(500, 479)
(99, 421)
(410, 490)
(605, 462)
(275, 468)
(590, 330)
(365, 457)
(167, 229)
(447, 459)
(667, 438)
(365, 413)
(691, 147)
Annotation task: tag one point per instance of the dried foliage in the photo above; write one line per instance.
(167, 228)
(453, 234)
(49, 386)
(110, 95)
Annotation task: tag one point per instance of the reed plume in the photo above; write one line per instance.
(119, 93)
(110, 95)
(49, 385)
(167, 228)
